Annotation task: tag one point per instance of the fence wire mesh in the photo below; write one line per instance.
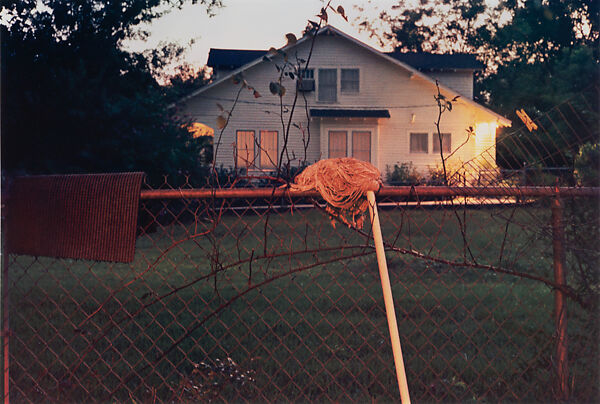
(260, 298)
(233, 299)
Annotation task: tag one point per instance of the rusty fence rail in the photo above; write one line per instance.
(254, 295)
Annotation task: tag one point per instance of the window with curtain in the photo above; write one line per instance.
(418, 143)
(446, 143)
(268, 149)
(337, 143)
(328, 85)
(245, 148)
(361, 145)
(349, 81)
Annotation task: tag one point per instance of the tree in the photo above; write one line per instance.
(73, 100)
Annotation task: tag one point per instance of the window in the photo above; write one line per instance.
(350, 81)
(418, 142)
(268, 148)
(361, 145)
(328, 85)
(337, 143)
(245, 148)
(446, 145)
(308, 74)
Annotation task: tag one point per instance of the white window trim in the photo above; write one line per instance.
(338, 88)
(358, 125)
(251, 164)
(359, 80)
(435, 138)
(260, 149)
(421, 132)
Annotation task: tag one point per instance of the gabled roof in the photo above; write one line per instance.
(330, 30)
(232, 58)
(229, 59)
(434, 61)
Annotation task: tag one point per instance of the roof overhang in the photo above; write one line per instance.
(349, 113)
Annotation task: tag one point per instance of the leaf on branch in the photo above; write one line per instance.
(237, 78)
(455, 98)
(449, 105)
(220, 107)
(323, 15)
(342, 13)
(291, 75)
(221, 122)
(274, 88)
(291, 39)
(256, 94)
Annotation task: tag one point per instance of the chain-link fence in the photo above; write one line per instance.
(253, 295)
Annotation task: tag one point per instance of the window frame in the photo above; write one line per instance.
(435, 142)
(410, 146)
(273, 159)
(349, 92)
(370, 143)
(345, 131)
(320, 83)
(249, 164)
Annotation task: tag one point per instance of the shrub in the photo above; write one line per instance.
(403, 174)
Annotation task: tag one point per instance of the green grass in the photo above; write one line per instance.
(315, 335)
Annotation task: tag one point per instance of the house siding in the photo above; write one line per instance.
(460, 81)
(383, 85)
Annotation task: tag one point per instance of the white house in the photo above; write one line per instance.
(352, 101)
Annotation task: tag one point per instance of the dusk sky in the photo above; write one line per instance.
(252, 24)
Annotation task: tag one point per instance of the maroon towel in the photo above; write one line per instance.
(74, 216)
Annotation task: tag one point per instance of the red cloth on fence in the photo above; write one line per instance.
(90, 216)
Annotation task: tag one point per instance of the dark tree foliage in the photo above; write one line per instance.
(73, 100)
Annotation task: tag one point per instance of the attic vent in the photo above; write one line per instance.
(306, 85)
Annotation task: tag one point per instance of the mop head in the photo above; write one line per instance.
(343, 183)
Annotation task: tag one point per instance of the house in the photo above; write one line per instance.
(352, 100)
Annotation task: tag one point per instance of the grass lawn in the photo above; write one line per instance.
(317, 334)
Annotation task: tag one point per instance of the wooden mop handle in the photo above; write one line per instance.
(388, 299)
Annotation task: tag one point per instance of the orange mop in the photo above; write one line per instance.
(343, 183)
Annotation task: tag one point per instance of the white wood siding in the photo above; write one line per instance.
(460, 81)
(383, 85)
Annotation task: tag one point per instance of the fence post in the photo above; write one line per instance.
(561, 387)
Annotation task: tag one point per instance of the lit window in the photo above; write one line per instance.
(418, 143)
(361, 145)
(337, 143)
(245, 148)
(328, 85)
(268, 148)
(446, 143)
(350, 81)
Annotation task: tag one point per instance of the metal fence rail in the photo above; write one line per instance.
(252, 295)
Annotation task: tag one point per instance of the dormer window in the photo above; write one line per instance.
(350, 81)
